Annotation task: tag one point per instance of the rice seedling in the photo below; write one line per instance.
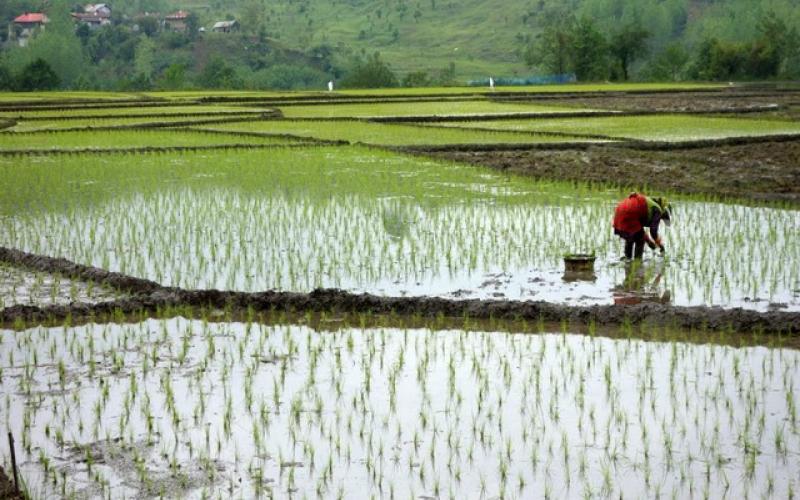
(127, 110)
(649, 127)
(201, 405)
(115, 121)
(385, 134)
(451, 108)
(575, 87)
(19, 286)
(402, 226)
(108, 139)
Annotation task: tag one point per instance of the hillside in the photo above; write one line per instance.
(303, 43)
(480, 37)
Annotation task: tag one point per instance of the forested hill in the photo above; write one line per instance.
(300, 43)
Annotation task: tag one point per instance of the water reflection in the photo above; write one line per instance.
(642, 283)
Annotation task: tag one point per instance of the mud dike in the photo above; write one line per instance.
(148, 297)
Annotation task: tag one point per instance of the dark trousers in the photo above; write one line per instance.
(634, 243)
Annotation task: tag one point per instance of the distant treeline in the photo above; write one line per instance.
(597, 40)
(580, 46)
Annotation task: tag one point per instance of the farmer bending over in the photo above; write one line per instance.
(633, 214)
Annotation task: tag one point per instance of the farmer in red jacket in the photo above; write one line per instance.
(633, 215)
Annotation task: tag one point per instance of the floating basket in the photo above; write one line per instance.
(579, 262)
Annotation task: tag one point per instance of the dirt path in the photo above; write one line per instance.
(760, 171)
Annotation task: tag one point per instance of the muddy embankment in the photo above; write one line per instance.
(709, 101)
(150, 296)
(763, 169)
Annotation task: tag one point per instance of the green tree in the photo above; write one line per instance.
(253, 16)
(417, 79)
(174, 77)
(777, 45)
(627, 45)
(145, 57)
(717, 60)
(58, 46)
(6, 79)
(38, 75)
(218, 75)
(446, 76)
(192, 25)
(588, 51)
(552, 48)
(369, 73)
(148, 25)
(763, 60)
(286, 76)
(669, 64)
(139, 83)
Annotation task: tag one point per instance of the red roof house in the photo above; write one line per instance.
(26, 26)
(176, 21)
(31, 18)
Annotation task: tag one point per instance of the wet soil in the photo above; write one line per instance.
(149, 296)
(147, 478)
(764, 171)
(710, 101)
(7, 491)
(759, 168)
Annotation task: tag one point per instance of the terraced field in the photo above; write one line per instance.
(657, 127)
(351, 294)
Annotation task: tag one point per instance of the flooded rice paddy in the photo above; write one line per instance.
(231, 404)
(365, 220)
(21, 286)
(651, 128)
(199, 409)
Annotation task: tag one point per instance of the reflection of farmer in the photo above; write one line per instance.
(641, 284)
(633, 215)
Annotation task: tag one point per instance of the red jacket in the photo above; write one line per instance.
(631, 214)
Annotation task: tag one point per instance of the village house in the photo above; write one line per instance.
(98, 9)
(177, 21)
(94, 15)
(225, 26)
(26, 26)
